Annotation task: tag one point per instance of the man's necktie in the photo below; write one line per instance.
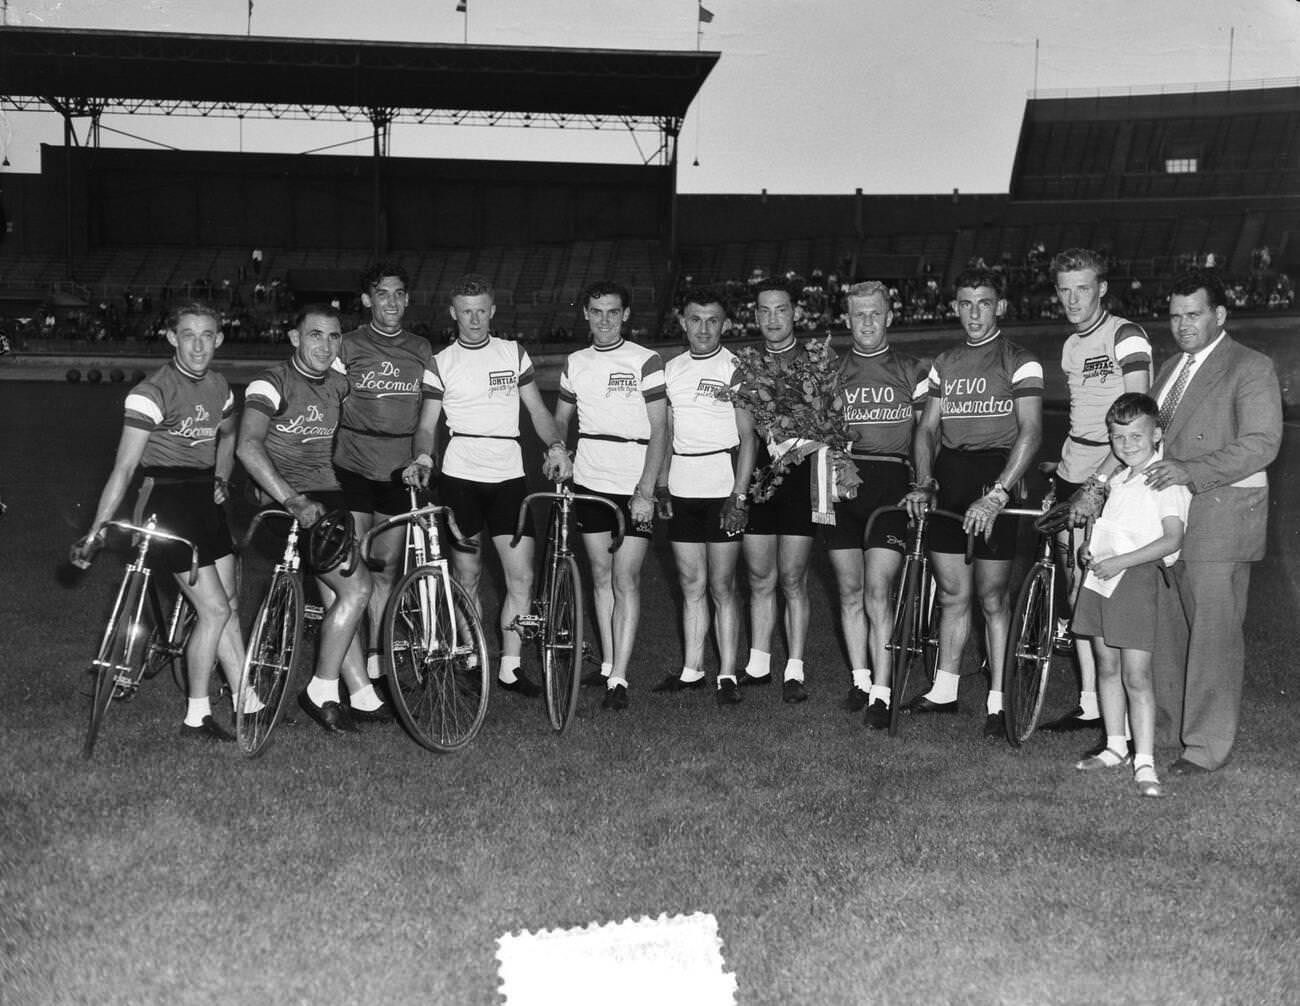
(1175, 393)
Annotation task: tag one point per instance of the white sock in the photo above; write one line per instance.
(862, 679)
(366, 699)
(506, 671)
(1143, 760)
(606, 669)
(944, 688)
(252, 704)
(374, 670)
(759, 664)
(1118, 744)
(612, 682)
(994, 703)
(320, 690)
(728, 676)
(880, 693)
(690, 674)
(793, 670)
(196, 710)
(1088, 703)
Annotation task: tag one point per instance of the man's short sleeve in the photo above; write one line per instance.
(652, 378)
(264, 394)
(144, 406)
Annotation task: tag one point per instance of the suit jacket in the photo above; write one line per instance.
(1228, 425)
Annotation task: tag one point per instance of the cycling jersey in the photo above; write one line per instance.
(479, 389)
(304, 413)
(704, 426)
(978, 386)
(882, 392)
(182, 413)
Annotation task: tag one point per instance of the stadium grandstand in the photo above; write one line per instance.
(102, 238)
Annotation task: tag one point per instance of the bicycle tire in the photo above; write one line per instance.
(562, 645)
(1029, 654)
(270, 659)
(902, 651)
(437, 659)
(121, 655)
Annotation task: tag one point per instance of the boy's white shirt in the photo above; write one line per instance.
(1112, 537)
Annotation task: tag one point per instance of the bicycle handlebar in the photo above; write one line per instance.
(354, 553)
(431, 510)
(151, 531)
(563, 492)
(929, 512)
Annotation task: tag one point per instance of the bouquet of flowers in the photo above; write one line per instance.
(794, 399)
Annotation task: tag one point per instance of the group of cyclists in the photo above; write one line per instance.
(352, 420)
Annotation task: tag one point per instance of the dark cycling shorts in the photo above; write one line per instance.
(1065, 490)
(789, 510)
(365, 495)
(594, 518)
(884, 483)
(186, 509)
(965, 476)
(476, 505)
(698, 519)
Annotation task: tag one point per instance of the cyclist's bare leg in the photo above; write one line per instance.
(387, 550)
(1074, 578)
(992, 587)
(849, 565)
(761, 561)
(230, 645)
(212, 614)
(794, 552)
(693, 573)
(954, 582)
(626, 614)
(722, 559)
(602, 589)
(517, 565)
(345, 599)
(882, 568)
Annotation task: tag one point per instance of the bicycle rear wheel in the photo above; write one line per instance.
(120, 661)
(269, 662)
(1029, 654)
(562, 645)
(906, 644)
(437, 659)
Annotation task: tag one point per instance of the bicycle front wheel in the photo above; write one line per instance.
(1029, 654)
(562, 645)
(437, 659)
(906, 643)
(120, 661)
(269, 661)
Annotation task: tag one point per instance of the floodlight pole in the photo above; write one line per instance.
(381, 119)
(671, 127)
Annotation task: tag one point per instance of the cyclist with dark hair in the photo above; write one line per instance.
(616, 388)
(480, 383)
(978, 435)
(178, 431)
(386, 427)
(286, 443)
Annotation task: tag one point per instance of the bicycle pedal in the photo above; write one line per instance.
(313, 612)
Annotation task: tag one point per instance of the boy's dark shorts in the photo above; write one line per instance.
(1127, 619)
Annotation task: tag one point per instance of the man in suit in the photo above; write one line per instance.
(1221, 409)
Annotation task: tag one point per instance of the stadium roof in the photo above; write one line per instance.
(176, 74)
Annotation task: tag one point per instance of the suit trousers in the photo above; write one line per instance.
(1200, 660)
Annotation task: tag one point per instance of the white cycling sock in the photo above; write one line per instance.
(862, 679)
(994, 703)
(690, 674)
(366, 699)
(794, 670)
(945, 687)
(196, 710)
(880, 693)
(759, 664)
(1088, 703)
(506, 670)
(321, 690)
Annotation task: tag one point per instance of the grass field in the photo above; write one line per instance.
(842, 866)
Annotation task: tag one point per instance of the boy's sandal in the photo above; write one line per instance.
(1105, 758)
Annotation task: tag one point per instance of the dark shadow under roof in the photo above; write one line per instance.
(195, 70)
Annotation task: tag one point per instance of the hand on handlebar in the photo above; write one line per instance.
(83, 551)
(305, 511)
(557, 466)
(918, 501)
(981, 515)
(1086, 503)
(419, 471)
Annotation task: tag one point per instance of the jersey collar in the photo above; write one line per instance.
(1101, 320)
(984, 342)
(306, 376)
(187, 373)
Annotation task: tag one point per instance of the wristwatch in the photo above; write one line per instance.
(742, 499)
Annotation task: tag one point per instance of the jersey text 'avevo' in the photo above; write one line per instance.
(978, 386)
(882, 393)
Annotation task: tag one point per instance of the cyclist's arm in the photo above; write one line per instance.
(425, 438)
(563, 417)
(925, 439)
(225, 463)
(748, 450)
(548, 430)
(662, 479)
(656, 451)
(257, 462)
(129, 451)
(1029, 419)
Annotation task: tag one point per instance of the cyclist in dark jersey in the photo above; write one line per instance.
(882, 392)
(386, 432)
(286, 443)
(978, 435)
(178, 432)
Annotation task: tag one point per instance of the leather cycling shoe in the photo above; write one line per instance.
(673, 683)
(208, 730)
(746, 680)
(792, 691)
(615, 698)
(855, 701)
(1072, 722)
(594, 679)
(921, 704)
(384, 714)
(520, 686)
(331, 717)
(995, 727)
(728, 692)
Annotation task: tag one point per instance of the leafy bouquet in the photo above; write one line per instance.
(794, 399)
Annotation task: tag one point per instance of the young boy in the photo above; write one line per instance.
(1139, 528)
